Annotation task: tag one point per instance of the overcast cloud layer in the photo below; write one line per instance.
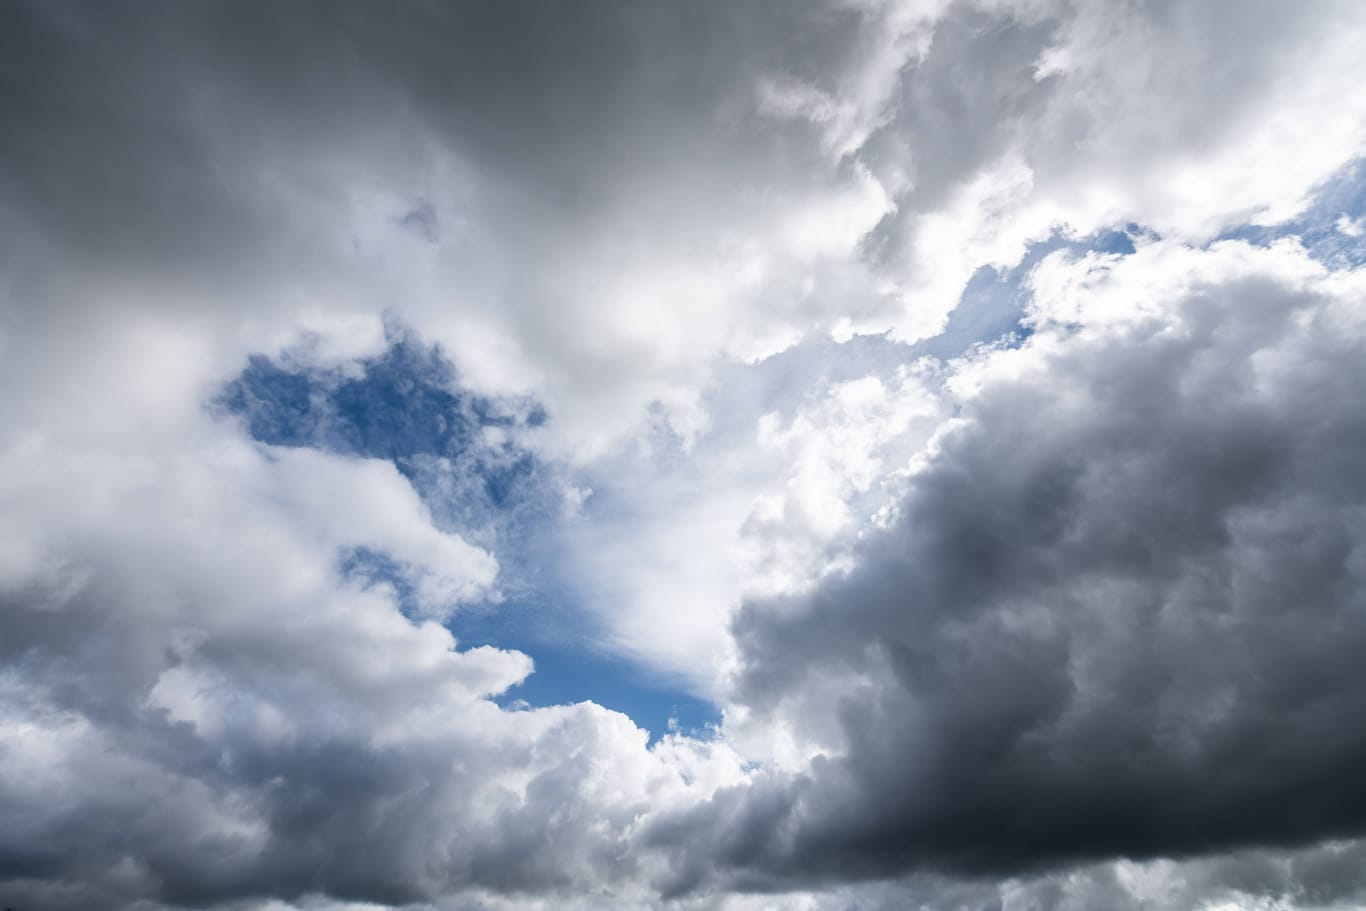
(961, 400)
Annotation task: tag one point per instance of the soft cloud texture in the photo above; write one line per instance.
(1117, 609)
(962, 396)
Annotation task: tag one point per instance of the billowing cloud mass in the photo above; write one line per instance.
(725, 457)
(1117, 608)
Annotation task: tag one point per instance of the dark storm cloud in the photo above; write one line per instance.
(137, 130)
(1120, 614)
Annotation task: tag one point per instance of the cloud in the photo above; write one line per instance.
(626, 199)
(1116, 611)
(204, 707)
(977, 625)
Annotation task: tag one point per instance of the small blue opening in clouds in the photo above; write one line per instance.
(993, 305)
(1332, 228)
(1114, 241)
(460, 451)
(615, 684)
(570, 668)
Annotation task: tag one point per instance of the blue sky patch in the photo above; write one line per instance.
(993, 305)
(463, 453)
(460, 450)
(1333, 228)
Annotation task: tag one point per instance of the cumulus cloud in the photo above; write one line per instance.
(634, 201)
(1117, 609)
(204, 707)
(1057, 608)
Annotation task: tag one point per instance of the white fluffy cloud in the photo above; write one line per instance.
(201, 705)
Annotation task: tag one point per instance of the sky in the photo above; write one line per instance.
(630, 455)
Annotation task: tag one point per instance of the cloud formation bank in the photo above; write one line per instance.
(856, 455)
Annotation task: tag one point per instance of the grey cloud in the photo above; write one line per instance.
(156, 120)
(210, 714)
(958, 110)
(1075, 642)
(1119, 615)
(195, 164)
(217, 159)
(215, 163)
